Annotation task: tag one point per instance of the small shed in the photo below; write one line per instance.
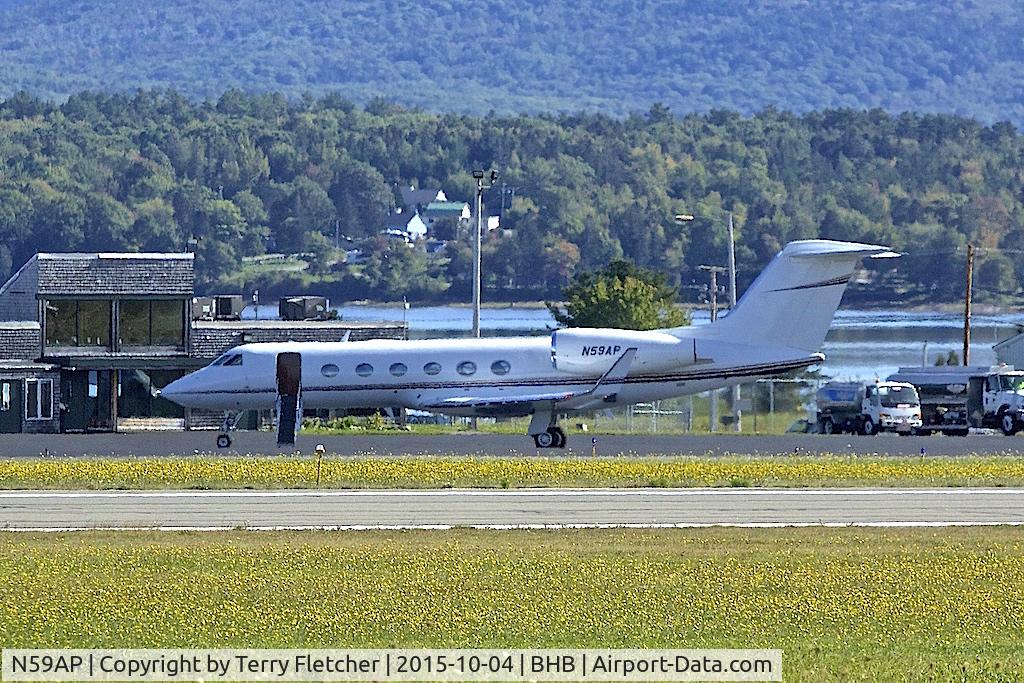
(1011, 351)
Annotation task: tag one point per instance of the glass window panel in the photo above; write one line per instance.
(432, 368)
(364, 369)
(330, 370)
(168, 323)
(32, 399)
(466, 367)
(398, 369)
(500, 367)
(5, 396)
(160, 406)
(134, 323)
(61, 323)
(46, 399)
(94, 323)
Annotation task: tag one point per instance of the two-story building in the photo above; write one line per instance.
(88, 340)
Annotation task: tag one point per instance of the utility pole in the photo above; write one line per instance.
(478, 174)
(713, 394)
(967, 305)
(737, 413)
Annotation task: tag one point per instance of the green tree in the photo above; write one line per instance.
(621, 296)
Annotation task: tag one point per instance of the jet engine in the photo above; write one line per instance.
(585, 351)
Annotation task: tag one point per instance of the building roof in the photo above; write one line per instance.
(146, 274)
(411, 197)
(1009, 341)
(457, 207)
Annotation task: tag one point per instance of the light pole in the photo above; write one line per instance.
(731, 268)
(478, 174)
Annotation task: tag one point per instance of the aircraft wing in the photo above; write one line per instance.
(499, 402)
(616, 373)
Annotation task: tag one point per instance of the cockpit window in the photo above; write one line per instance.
(234, 360)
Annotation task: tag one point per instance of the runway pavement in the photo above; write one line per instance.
(161, 444)
(572, 508)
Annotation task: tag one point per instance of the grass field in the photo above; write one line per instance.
(487, 472)
(880, 605)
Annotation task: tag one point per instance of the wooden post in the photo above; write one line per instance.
(967, 305)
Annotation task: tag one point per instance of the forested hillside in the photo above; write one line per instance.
(612, 56)
(250, 174)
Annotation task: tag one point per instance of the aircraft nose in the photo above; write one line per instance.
(178, 391)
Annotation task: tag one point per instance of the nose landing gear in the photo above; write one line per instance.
(231, 420)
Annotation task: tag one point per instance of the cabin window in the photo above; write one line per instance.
(364, 369)
(398, 369)
(234, 360)
(500, 367)
(330, 370)
(466, 367)
(432, 368)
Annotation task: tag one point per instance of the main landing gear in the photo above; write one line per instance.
(231, 420)
(554, 437)
(545, 431)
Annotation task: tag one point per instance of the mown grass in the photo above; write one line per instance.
(491, 472)
(883, 605)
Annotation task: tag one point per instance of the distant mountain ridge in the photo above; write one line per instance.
(473, 56)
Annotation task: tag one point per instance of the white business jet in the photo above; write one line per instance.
(778, 326)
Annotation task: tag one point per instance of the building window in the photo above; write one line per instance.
(94, 323)
(168, 323)
(152, 323)
(398, 369)
(138, 394)
(62, 323)
(78, 323)
(39, 399)
(330, 370)
(432, 368)
(466, 367)
(5, 396)
(500, 367)
(364, 369)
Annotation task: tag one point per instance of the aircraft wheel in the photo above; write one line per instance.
(223, 441)
(559, 437)
(1008, 424)
(544, 440)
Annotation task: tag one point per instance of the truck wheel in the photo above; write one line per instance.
(1008, 424)
(868, 427)
(828, 427)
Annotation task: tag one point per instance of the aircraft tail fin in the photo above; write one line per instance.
(791, 303)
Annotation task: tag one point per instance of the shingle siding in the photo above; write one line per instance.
(209, 340)
(111, 275)
(19, 342)
(18, 294)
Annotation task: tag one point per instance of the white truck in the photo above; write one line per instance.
(956, 398)
(868, 408)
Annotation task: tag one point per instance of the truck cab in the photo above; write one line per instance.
(894, 406)
(868, 408)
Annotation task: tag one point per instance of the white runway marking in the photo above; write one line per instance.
(514, 493)
(520, 527)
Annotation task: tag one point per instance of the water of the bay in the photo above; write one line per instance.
(861, 344)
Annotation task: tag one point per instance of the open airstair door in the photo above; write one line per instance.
(289, 397)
